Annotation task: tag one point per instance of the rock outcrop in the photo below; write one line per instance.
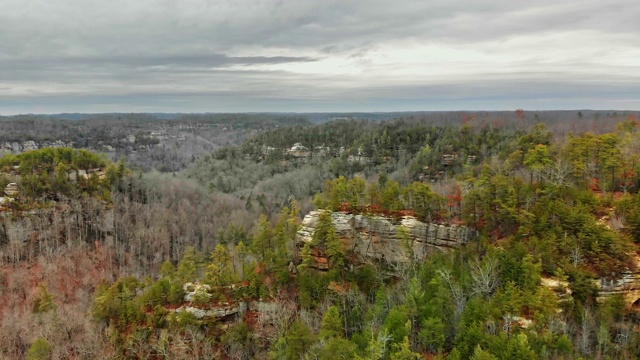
(22, 146)
(216, 312)
(376, 237)
(628, 286)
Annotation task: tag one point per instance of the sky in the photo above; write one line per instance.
(315, 56)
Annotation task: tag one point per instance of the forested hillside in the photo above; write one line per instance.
(147, 141)
(102, 261)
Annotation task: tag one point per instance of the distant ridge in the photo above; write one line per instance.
(321, 117)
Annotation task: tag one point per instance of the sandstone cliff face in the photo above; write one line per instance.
(18, 147)
(375, 237)
(628, 286)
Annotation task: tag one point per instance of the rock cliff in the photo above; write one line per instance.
(628, 286)
(376, 237)
(22, 146)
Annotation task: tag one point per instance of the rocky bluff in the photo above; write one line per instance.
(375, 237)
(372, 237)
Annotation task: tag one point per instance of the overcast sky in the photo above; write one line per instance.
(330, 55)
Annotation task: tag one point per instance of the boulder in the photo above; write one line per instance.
(192, 291)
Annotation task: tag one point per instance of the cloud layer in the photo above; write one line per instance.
(332, 55)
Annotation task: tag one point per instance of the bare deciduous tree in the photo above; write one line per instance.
(485, 276)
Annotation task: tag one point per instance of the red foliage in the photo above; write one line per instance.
(251, 319)
(70, 276)
(453, 200)
(345, 207)
(594, 185)
(339, 288)
(403, 213)
(259, 269)
(628, 179)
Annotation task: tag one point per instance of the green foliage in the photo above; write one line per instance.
(519, 348)
(403, 351)
(70, 172)
(368, 280)
(337, 348)
(312, 289)
(238, 336)
(270, 242)
(376, 348)
(331, 324)
(116, 304)
(220, 270)
(390, 196)
(44, 302)
(396, 324)
(432, 336)
(305, 255)
(39, 350)
(167, 269)
(187, 267)
(386, 195)
(156, 294)
(479, 354)
(323, 230)
(424, 202)
(298, 339)
(538, 158)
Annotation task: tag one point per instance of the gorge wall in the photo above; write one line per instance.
(628, 286)
(376, 237)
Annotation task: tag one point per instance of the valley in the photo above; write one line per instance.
(398, 238)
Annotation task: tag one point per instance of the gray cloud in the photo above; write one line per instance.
(245, 55)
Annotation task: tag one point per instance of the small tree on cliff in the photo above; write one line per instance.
(220, 271)
(326, 239)
(404, 236)
(305, 254)
(323, 228)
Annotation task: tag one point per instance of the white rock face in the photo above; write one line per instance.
(194, 290)
(18, 147)
(375, 237)
(217, 313)
(628, 286)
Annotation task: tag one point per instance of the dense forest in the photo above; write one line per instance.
(164, 142)
(102, 260)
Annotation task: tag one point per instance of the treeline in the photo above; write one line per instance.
(55, 172)
(146, 141)
(405, 151)
(384, 197)
(89, 129)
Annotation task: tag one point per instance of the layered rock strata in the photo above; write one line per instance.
(376, 237)
(628, 286)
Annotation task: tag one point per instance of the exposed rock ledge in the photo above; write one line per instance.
(375, 237)
(215, 313)
(628, 286)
